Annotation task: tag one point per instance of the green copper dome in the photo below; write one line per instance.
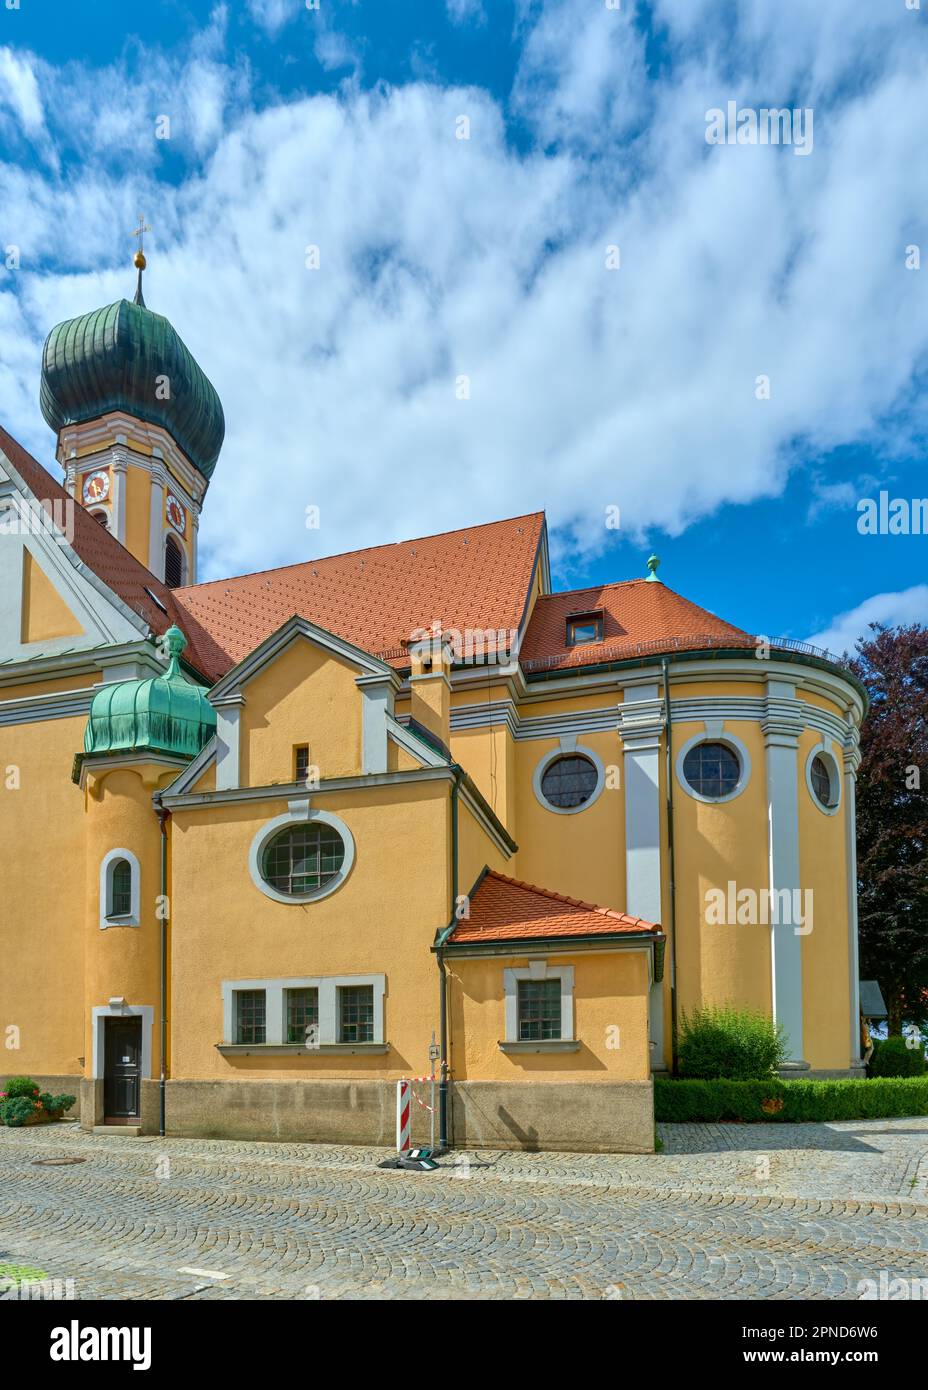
(119, 358)
(165, 714)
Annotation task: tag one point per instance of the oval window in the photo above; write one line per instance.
(303, 858)
(712, 769)
(820, 777)
(569, 781)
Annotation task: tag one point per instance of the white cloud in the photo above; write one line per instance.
(891, 610)
(466, 11)
(274, 15)
(443, 258)
(19, 91)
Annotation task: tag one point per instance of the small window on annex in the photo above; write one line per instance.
(539, 1010)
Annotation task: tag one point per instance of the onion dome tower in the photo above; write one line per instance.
(139, 427)
(164, 714)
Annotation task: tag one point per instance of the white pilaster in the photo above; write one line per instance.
(782, 726)
(119, 494)
(641, 719)
(378, 694)
(228, 742)
(851, 764)
(156, 521)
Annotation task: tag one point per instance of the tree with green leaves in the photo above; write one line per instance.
(892, 820)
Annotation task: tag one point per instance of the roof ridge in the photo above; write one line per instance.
(361, 550)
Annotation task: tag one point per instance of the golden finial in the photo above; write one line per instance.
(138, 260)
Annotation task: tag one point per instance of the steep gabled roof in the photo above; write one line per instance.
(639, 617)
(505, 909)
(475, 579)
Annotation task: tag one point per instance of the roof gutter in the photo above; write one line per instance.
(523, 945)
(700, 654)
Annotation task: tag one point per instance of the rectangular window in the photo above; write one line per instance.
(356, 1014)
(301, 762)
(584, 627)
(303, 1015)
(250, 1016)
(539, 1010)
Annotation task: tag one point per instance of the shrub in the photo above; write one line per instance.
(894, 1057)
(23, 1099)
(21, 1086)
(16, 1110)
(737, 1044)
(678, 1101)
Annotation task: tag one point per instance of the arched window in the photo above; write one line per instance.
(120, 904)
(173, 563)
(102, 517)
(120, 895)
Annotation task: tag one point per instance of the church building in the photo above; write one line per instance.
(275, 841)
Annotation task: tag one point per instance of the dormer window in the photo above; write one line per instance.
(584, 627)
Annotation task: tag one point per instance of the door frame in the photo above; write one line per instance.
(106, 1011)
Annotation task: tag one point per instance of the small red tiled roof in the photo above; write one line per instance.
(639, 618)
(477, 578)
(504, 909)
(119, 570)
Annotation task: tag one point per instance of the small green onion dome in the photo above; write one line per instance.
(164, 714)
(124, 357)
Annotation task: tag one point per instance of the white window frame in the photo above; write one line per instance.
(824, 751)
(133, 918)
(275, 1008)
(539, 970)
(299, 813)
(715, 733)
(568, 747)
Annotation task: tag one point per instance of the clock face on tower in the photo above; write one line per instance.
(175, 513)
(96, 487)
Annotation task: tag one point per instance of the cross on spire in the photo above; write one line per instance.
(138, 259)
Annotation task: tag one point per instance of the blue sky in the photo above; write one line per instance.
(484, 258)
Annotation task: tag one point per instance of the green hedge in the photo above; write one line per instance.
(790, 1101)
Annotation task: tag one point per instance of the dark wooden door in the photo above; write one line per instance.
(122, 1069)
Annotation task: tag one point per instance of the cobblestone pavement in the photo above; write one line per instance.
(725, 1211)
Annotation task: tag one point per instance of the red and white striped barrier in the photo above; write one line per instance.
(403, 1116)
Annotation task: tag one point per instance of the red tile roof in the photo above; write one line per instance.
(504, 909)
(476, 578)
(639, 618)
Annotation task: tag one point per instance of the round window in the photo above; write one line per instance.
(712, 769)
(820, 776)
(303, 858)
(569, 781)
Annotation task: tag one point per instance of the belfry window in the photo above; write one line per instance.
(173, 563)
